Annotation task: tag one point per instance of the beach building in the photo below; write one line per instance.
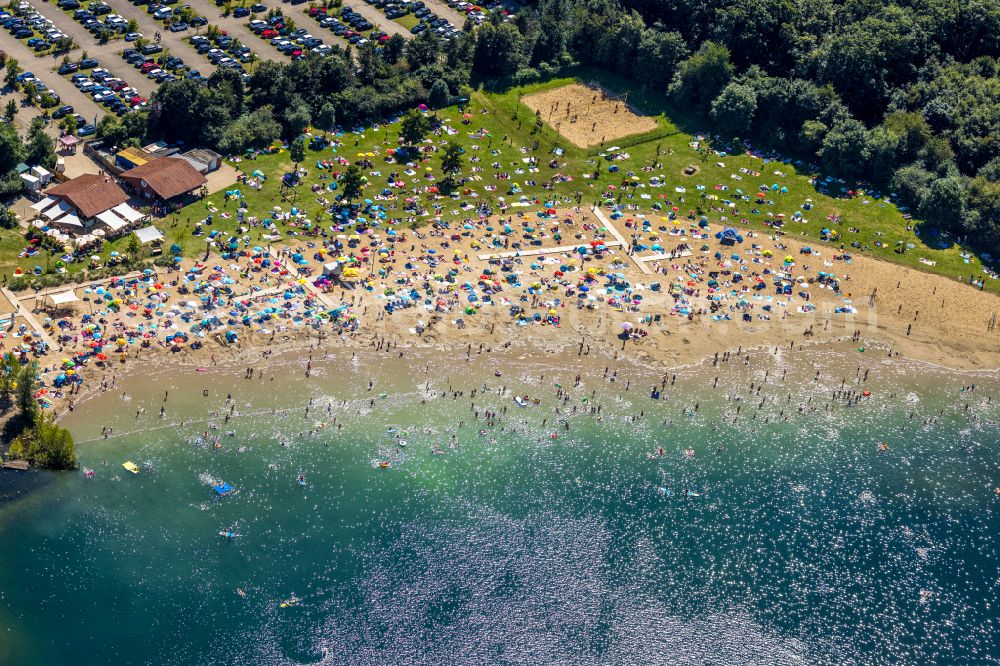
(89, 205)
(164, 180)
(203, 160)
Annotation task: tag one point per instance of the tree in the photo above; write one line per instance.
(499, 50)
(414, 127)
(297, 151)
(811, 136)
(11, 148)
(326, 119)
(296, 117)
(27, 384)
(351, 182)
(40, 149)
(657, 57)
(944, 203)
(845, 149)
(45, 444)
(135, 125)
(112, 131)
(701, 77)
(133, 248)
(911, 184)
(393, 49)
(69, 125)
(253, 130)
(734, 108)
(451, 165)
(8, 219)
(13, 71)
(438, 96)
(9, 369)
(10, 111)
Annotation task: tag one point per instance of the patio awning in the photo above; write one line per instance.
(128, 213)
(61, 208)
(43, 204)
(111, 220)
(69, 220)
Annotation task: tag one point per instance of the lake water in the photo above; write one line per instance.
(785, 537)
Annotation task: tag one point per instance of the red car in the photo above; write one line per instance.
(269, 34)
(316, 11)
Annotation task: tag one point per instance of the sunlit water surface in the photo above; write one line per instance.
(525, 543)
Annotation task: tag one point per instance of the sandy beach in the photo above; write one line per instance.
(465, 292)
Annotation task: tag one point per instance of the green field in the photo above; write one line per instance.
(407, 21)
(876, 221)
(506, 115)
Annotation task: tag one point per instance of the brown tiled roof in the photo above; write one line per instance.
(90, 194)
(168, 177)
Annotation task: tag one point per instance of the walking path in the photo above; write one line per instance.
(25, 313)
(621, 240)
(536, 251)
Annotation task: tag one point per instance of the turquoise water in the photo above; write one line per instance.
(805, 542)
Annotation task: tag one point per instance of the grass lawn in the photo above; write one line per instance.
(407, 21)
(12, 243)
(667, 145)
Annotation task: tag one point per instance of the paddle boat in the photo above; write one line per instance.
(131, 466)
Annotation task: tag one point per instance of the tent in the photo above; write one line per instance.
(729, 236)
(149, 235)
(63, 298)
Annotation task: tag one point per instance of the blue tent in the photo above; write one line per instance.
(729, 236)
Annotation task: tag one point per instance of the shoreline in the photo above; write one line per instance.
(669, 311)
(289, 356)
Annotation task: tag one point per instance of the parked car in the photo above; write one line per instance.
(86, 130)
(62, 111)
(68, 68)
(240, 12)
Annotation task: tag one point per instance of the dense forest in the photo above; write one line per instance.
(904, 96)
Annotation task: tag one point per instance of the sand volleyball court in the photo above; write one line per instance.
(588, 115)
